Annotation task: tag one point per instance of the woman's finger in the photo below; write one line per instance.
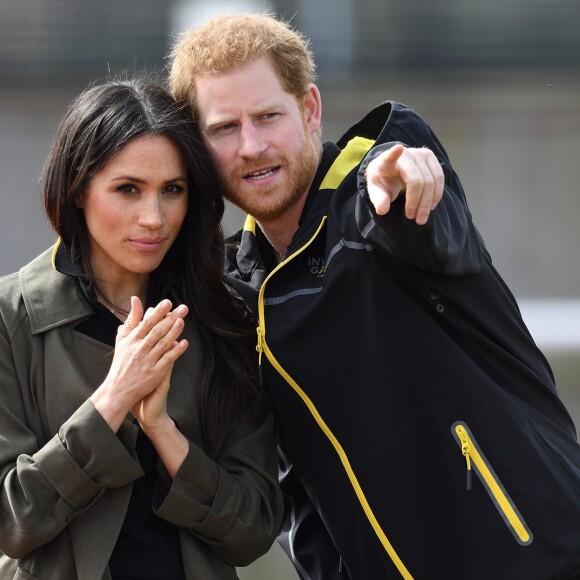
(152, 317)
(133, 318)
(164, 334)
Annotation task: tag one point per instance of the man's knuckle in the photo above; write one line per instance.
(415, 182)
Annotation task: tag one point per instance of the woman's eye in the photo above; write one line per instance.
(127, 188)
(173, 188)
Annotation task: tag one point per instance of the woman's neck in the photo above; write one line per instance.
(116, 296)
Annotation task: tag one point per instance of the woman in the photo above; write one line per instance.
(143, 449)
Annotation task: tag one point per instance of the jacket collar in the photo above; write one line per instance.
(246, 257)
(51, 298)
(318, 198)
(247, 249)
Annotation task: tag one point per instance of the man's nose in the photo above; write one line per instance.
(252, 144)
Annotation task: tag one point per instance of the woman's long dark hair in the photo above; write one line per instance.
(98, 123)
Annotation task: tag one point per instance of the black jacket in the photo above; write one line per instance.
(420, 425)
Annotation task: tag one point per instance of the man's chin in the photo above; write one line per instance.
(262, 212)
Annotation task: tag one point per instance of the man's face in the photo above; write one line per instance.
(264, 140)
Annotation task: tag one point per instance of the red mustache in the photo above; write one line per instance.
(255, 166)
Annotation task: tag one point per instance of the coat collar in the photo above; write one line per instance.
(51, 298)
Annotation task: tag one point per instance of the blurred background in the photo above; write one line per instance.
(498, 81)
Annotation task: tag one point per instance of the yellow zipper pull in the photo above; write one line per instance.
(465, 449)
(260, 349)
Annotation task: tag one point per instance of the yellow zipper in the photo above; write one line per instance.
(262, 347)
(475, 459)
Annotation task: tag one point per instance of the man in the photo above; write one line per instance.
(421, 435)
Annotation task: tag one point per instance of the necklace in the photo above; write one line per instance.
(110, 305)
(280, 257)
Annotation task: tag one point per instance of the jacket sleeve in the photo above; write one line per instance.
(44, 487)
(233, 503)
(447, 244)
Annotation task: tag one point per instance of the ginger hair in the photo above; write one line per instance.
(228, 41)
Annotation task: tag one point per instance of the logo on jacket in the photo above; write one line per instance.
(316, 266)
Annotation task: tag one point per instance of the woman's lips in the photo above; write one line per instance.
(147, 244)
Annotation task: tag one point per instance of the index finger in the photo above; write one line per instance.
(383, 182)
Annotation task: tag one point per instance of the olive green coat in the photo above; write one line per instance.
(66, 478)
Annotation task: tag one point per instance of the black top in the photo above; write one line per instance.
(148, 547)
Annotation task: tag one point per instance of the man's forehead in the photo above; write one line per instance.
(247, 79)
(231, 102)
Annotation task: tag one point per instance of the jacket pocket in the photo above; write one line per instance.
(478, 463)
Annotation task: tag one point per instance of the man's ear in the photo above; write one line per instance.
(312, 107)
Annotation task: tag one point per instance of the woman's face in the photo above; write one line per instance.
(134, 208)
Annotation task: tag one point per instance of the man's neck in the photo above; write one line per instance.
(279, 232)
